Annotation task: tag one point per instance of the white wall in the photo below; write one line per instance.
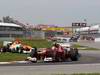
(97, 40)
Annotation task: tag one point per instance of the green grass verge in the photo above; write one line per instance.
(84, 47)
(39, 43)
(80, 74)
(88, 48)
(77, 45)
(87, 74)
(1, 43)
(43, 43)
(5, 57)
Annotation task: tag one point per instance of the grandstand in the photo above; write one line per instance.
(11, 30)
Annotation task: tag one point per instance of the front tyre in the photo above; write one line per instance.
(74, 55)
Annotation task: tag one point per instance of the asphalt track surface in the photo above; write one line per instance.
(50, 69)
(90, 44)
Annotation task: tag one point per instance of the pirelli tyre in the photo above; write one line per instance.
(33, 60)
(74, 55)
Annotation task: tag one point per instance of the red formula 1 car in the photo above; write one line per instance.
(48, 55)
